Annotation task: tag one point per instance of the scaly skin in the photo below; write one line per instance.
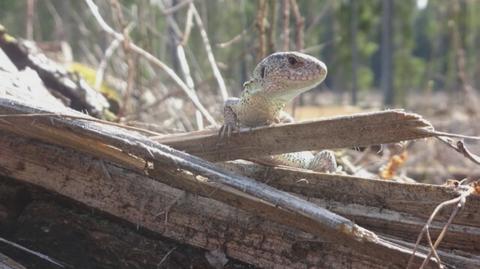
(278, 79)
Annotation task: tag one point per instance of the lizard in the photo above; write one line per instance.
(277, 80)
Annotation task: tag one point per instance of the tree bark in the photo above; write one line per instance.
(196, 220)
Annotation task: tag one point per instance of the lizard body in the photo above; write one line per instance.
(276, 80)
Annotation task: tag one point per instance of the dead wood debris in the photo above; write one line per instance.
(295, 205)
(152, 152)
(163, 158)
(55, 77)
(458, 202)
(101, 141)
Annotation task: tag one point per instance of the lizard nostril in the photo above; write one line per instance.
(262, 72)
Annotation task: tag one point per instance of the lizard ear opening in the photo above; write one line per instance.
(262, 72)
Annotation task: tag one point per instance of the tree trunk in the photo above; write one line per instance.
(387, 52)
(353, 32)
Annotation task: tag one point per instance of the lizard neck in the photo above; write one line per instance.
(256, 107)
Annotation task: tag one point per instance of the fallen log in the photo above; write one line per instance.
(125, 174)
(387, 207)
(45, 225)
(196, 220)
(163, 164)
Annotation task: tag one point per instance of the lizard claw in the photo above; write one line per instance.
(226, 131)
(229, 126)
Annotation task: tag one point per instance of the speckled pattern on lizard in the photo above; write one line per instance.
(277, 80)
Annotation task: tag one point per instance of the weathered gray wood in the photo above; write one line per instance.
(103, 140)
(8, 263)
(25, 54)
(191, 219)
(397, 209)
(339, 132)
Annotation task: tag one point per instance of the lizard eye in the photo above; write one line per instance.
(262, 72)
(292, 60)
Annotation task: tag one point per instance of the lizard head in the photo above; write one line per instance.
(284, 75)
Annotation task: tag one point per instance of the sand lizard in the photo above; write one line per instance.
(276, 80)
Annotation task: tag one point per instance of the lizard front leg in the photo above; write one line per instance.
(230, 119)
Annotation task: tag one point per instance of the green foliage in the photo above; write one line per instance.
(365, 78)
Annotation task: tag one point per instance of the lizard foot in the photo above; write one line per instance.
(324, 161)
(226, 131)
(229, 126)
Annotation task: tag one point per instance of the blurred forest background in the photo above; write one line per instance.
(380, 52)
(424, 39)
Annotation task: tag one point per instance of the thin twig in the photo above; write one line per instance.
(437, 133)
(152, 59)
(211, 58)
(177, 7)
(105, 169)
(460, 203)
(188, 26)
(429, 239)
(299, 23)
(35, 253)
(166, 256)
(59, 25)
(286, 25)
(128, 58)
(325, 10)
(182, 59)
(232, 41)
(460, 147)
(103, 63)
(188, 78)
(460, 200)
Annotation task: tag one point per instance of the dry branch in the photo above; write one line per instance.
(195, 220)
(195, 175)
(177, 7)
(299, 25)
(106, 168)
(139, 147)
(286, 25)
(152, 59)
(25, 54)
(186, 181)
(210, 56)
(346, 131)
